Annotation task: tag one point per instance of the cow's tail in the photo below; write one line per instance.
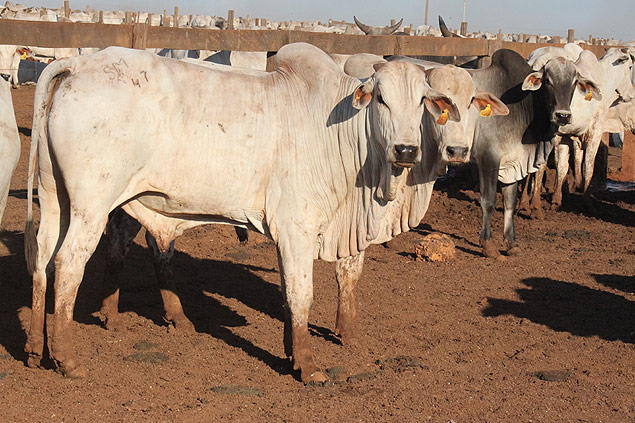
(43, 94)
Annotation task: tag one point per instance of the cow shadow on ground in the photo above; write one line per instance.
(202, 285)
(570, 307)
(15, 291)
(620, 282)
(601, 205)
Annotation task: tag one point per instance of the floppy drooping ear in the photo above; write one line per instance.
(488, 104)
(441, 107)
(533, 81)
(362, 95)
(588, 89)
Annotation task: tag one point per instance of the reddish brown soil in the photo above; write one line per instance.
(544, 337)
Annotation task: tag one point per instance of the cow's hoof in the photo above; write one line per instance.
(73, 372)
(113, 324)
(183, 324)
(489, 249)
(514, 251)
(538, 214)
(315, 378)
(34, 361)
(555, 206)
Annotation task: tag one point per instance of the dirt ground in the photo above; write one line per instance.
(548, 336)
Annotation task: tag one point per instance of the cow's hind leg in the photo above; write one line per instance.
(510, 192)
(163, 269)
(536, 200)
(347, 273)
(83, 234)
(120, 233)
(53, 225)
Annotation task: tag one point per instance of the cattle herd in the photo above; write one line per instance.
(325, 155)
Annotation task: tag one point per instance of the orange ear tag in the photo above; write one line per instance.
(443, 119)
(588, 96)
(531, 84)
(487, 111)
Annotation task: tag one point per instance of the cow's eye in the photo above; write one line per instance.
(380, 99)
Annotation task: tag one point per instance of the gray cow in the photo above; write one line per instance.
(508, 148)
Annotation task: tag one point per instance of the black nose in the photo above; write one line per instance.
(406, 153)
(456, 153)
(563, 117)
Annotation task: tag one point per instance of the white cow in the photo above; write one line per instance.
(9, 143)
(10, 63)
(305, 155)
(442, 142)
(613, 75)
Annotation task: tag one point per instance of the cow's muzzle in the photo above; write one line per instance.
(562, 117)
(456, 154)
(405, 155)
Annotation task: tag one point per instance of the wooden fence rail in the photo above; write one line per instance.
(141, 35)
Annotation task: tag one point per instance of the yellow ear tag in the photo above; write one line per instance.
(588, 96)
(23, 57)
(443, 119)
(487, 111)
(531, 84)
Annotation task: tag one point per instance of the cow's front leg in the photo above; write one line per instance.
(488, 172)
(510, 192)
(163, 268)
(578, 158)
(562, 167)
(295, 257)
(120, 233)
(347, 272)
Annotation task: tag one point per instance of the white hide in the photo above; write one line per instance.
(9, 143)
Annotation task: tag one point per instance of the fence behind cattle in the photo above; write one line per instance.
(142, 35)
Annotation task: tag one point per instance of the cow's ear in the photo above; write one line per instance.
(588, 89)
(533, 81)
(441, 107)
(379, 65)
(488, 104)
(362, 95)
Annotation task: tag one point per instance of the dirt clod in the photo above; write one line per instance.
(435, 247)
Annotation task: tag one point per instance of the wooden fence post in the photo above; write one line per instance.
(176, 16)
(140, 36)
(101, 16)
(464, 28)
(128, 18)
(230, 19)
(67, 9)
(570, 36)
(164, 22)
(556, 39)
(149, 19)
(499, 36)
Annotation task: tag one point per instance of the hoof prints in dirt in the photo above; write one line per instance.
(145, 355)
(238, 390)
(397, 364)
(553, 375)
